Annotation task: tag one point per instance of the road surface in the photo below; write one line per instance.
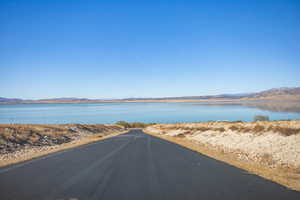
(133, 166)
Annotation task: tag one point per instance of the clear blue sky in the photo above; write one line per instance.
(113, 49)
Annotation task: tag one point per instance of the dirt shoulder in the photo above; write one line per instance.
(268, 149)
(21, 142)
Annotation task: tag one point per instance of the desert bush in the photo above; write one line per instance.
(261, 118)
(270, 128)
(33, 139)
(267, 158)
(286, 131)
(181, 135)
(137, 125)
(123, 124)
(233, 128)
(220, 129)
(202, 129)
(245, 129)
(258, 129)
(133, 124)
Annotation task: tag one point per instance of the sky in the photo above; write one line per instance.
(121, 49)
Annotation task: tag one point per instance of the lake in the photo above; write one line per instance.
(142, 112)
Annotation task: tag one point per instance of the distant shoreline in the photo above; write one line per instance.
(241, 100)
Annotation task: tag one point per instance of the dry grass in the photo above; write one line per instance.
(283, 127)
(289, 177)
(233, 128)
(258, 128)
(286, 131)
(14, 136)
(181, 135)
(267, 159)
(220, 129)
(19, 142)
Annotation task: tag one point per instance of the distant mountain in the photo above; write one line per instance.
(275, 93)
(9, 100)
(65, 99)
(278, 92)
(50, 100)
(221, 96)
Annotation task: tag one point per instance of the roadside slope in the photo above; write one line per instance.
(269, 149)
(20, 142)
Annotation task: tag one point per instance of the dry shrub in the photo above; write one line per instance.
(131, 125)
(233, 128)
(220, 129)
(33, 139)
(286, 131)
(261, 118)
(267, 158)
(258, 129)
(245, 129)
(202, 129)
(6, 135)
(193, 129)
(19, 135)
(188, 132)
(181, 135)
(270, 128)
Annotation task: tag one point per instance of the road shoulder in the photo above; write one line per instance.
(279, 175)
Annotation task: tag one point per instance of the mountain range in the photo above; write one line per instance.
(272, 94)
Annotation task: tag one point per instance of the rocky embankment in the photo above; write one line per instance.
(271, 143)
(21, 140)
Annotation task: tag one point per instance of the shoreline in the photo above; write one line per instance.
(154, 100)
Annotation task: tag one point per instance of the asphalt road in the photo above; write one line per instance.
(134, 166)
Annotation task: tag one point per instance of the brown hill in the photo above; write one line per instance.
(279, 92)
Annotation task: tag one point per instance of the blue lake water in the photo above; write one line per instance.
(142, 112)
